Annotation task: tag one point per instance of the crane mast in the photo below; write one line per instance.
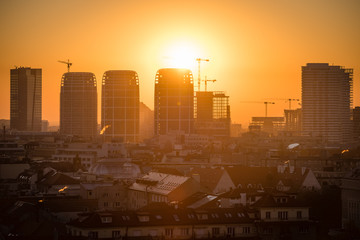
(68, 63)
(199, 76)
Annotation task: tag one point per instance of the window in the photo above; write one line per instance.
(215, 231)
(106, 219)
(303, 228)
(268, 215)
(267, 230)
(231, 231)
(176, 217)
(246, 230)
(283, 215)
(184, 231)
(116, 234)
(93, 235)
(299, 215)
(168, 232)
(143, 218)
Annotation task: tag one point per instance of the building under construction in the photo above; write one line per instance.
(293, 120)
(173, 102)
(271, 125)
(120, 106)
(212, 112)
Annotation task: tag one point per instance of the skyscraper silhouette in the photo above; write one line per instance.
(120, 105)
(25, 99)
(174, 101)
(327, 102)
(78, 104)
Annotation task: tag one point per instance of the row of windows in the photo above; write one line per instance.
(283, 215)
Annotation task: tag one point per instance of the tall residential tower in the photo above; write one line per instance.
(174, 101)
(327, 102)
(78, 104)
(120, 106)
(25, 99)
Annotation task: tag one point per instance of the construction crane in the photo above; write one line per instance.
(68, 63)
(208, 80)
(199, 77)
(265, 103)
(286, 100)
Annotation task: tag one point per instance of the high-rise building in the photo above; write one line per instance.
(356, 123)
(120, 106)
(212, 111)
(25, 99)
(327, 102)
(78, 104)
(146, 122)
(174, 101)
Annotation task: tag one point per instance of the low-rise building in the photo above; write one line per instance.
(165, 223)
(284, 217)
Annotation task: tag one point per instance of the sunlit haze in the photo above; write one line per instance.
(255, 48)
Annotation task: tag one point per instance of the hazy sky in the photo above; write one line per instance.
(256, 47)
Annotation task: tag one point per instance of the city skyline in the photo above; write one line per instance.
(248, 44)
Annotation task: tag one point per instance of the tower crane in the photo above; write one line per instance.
(68, 63)
(199, 77)
(291, 99)
(208, 80)
(286, 100)
(265, 103)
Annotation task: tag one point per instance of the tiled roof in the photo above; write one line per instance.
(209, 177)
(244, 176)
(58, 179)
(275, 200)
(267, 177)
(160, 183)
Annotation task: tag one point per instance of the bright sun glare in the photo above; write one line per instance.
(181, 55)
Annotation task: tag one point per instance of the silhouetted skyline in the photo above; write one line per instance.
(256, 49)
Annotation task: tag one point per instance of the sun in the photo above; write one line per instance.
(181, 55)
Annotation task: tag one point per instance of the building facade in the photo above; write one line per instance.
(146, 129)
(120, 106)
(78, 104)
(327, 102)
(174, 101)
(356, 123)
(25, 99)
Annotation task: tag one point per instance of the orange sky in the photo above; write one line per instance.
(256, 48)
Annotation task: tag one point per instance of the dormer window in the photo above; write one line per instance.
(203, 216)
(106, 219)
(176, 217)
(143, 218)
